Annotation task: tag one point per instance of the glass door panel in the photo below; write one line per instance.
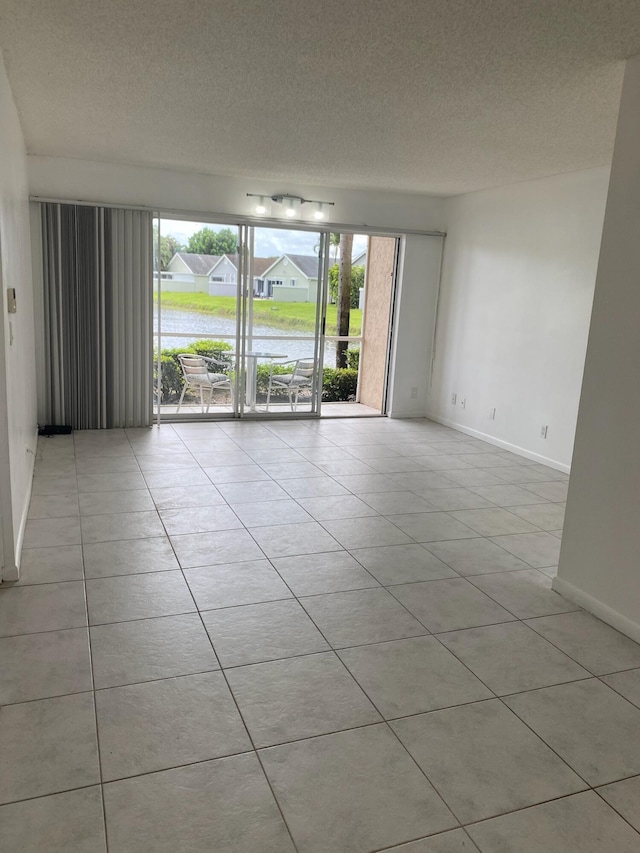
(283, 303)
(196, 321)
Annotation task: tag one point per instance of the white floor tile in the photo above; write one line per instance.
(581, 823)
(196, 808)
(275, 586)
(389, 800)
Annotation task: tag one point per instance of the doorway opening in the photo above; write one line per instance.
(364, 351)
(249, 321)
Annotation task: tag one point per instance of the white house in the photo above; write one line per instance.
(292, 278)
(224, 276)
(217, 275)
(189, 272)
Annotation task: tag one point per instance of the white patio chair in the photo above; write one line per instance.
(301, 376)
(198, 374)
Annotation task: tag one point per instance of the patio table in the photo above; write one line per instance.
(252, 372)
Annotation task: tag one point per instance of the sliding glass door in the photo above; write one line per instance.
(238, 319)
(196, 318)
(282, 313)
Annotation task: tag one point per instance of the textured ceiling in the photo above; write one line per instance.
(440, 96)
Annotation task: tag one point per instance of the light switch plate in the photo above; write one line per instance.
(11, 300)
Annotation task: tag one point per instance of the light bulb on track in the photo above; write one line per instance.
(292, 206)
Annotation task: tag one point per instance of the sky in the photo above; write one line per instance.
(269, 242)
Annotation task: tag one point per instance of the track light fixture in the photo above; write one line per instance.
(292, 205)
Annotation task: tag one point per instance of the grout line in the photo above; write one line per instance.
(386, 722)
(233, 698)
(423, 772)
(52, 794)
(504, 704)
(611, 806)
(114, 686)
(435, 835)
(334, 649)
(95, 707)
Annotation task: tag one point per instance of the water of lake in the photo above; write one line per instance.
(193, 324)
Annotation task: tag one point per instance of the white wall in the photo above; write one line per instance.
(176, 282)
(298, 293)
(414, 324)
(517, 286)
(164, 188)
(600, 557)
(219, 288)
(17, 366)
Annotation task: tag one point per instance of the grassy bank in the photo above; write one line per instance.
(282, 315)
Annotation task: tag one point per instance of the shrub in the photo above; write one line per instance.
(353, 358)
(339, 384)
(262, 379)
(211, 349)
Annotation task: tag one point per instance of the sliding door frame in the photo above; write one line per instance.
(392, 319)
(317, 337)
(189, 417)
(246, 225)
(244, 325)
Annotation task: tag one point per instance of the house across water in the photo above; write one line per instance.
(288, 278)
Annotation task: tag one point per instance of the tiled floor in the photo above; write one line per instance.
(324, 637)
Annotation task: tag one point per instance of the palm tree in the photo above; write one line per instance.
(345, 241)
(334, 240)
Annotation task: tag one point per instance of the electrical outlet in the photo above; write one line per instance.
(414, 392)
(463, 402)
(543, 431)
(492, 415)
(454, 398)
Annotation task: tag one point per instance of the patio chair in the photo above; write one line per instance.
(301, 376)
(198, 374)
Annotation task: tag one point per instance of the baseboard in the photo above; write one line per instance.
(11, 572)
(597, 608)
(24, 517)
(417, 414)
(504, 445)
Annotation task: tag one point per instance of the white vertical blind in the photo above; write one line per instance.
(98, 304)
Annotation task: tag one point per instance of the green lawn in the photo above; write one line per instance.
(283, 315)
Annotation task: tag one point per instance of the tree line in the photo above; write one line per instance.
(203, 242)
